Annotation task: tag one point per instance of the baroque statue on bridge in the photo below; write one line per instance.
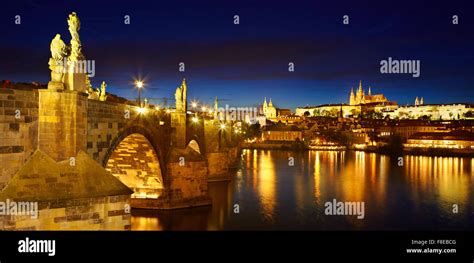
(74, 26)
(180, 96)
(101, 92)
(66, 71)
(89, 89)
(58, 53)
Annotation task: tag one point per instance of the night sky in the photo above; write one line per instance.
(244, 63)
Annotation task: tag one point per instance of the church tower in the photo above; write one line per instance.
(417, 102)
(360, 94)
(352, 97)
(370, 92)
(271, 111)
(268, 109)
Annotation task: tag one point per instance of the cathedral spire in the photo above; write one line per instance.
(270, 104)
(360, 94)
(352, 97)
(360, 90)
(370, 92)
(417, 102)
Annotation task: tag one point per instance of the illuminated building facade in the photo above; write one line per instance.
(407, 128)
(282, 133)
(432, 111)
(452, 140)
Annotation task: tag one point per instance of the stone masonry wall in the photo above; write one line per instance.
(18, 136)
(101, 213)
(187, 181)
(105, 121)
(218, 165)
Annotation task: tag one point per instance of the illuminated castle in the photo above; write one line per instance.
(361, 98)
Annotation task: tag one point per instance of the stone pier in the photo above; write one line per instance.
(62, 123)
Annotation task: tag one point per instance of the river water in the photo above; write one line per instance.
(286, 190)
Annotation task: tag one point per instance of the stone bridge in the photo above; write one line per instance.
(84, 157)
(159, 154)
(164, 156)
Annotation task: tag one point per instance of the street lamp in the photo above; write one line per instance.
(141, 110)
(139, 85)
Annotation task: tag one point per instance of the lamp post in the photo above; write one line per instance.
(139, 85)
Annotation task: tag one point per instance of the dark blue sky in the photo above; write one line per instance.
(245, 63)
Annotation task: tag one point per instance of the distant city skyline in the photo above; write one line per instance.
(242, 64)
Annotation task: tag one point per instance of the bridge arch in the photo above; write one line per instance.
(136, 159)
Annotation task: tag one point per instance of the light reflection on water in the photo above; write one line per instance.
(271, 194)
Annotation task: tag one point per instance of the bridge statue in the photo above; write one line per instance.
(89, 88)
(67, 69)
(58, 53)
(74, 26)
(101, 92)
(180, 97)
